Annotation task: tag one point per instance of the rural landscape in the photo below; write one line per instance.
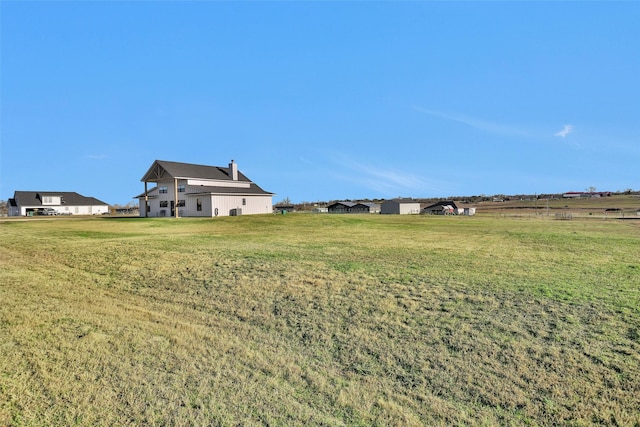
(508, 317)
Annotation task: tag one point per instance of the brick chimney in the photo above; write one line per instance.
(233, 170)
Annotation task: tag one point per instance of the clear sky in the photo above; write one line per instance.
(323, 100)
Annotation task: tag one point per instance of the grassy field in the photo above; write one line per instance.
(320, 320)
(616, 206)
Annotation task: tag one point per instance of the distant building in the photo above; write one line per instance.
(400, 207)
(449, 207)
(578, 194)
(353, 207)
(32, 203)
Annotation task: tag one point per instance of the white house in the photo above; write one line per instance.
(400, 206)
(184, 189)
(31, 203)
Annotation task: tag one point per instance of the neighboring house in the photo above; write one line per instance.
(353, 207)
(340, 207)
(184, 189)
(31, 203)
(449, 207)
(400, 207)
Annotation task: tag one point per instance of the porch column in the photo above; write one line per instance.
(175, 196)
(146, 200)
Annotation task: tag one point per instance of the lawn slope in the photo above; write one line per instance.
(320, 320)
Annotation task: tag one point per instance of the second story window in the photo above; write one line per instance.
(162, 189)
(181, 188)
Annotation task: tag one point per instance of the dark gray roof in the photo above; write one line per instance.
(442, 203)
(187, 170)
(347, 204)
(69, 198)
(162, 169)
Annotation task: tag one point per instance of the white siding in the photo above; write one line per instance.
(254, 204)
(225, 203)
(409, 208)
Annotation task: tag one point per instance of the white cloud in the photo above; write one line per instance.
(388, 182)
(566, 130)
(474, 122)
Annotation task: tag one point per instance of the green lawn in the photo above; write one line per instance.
(320, 320)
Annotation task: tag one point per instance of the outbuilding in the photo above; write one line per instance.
(400, 207)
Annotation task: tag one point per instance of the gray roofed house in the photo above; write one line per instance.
(353, 207)
(185, 189)
(30, 203)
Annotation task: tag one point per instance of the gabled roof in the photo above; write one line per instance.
(442, 203)
(162, 169)
(69, 198)
(347, 204)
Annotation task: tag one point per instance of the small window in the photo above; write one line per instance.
(163, 189)
(198, 205)
(181, 188)
(164, 204)
(244, 202)
(181, 203)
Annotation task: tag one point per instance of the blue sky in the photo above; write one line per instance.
(322, 100)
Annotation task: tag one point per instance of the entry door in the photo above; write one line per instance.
(173, 208)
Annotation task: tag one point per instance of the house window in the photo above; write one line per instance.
(181, 188)
(198, 205)
(164, 204)
(181, 203)
(162, 189)
(244, 202)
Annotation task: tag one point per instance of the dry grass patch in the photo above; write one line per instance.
(321, 320)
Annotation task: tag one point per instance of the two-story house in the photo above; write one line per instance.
(184, 189)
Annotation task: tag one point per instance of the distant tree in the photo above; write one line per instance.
(285, 201)
(591, 189)
(4, 210)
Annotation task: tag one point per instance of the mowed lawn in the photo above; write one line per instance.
(305, 319)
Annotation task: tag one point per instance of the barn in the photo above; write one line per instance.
(400, 207)
(191, 190)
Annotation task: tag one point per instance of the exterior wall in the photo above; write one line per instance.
(390, 207)
(394, 207)
(61, 210)
(409, 208)
(225, 203)
(254, 204)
